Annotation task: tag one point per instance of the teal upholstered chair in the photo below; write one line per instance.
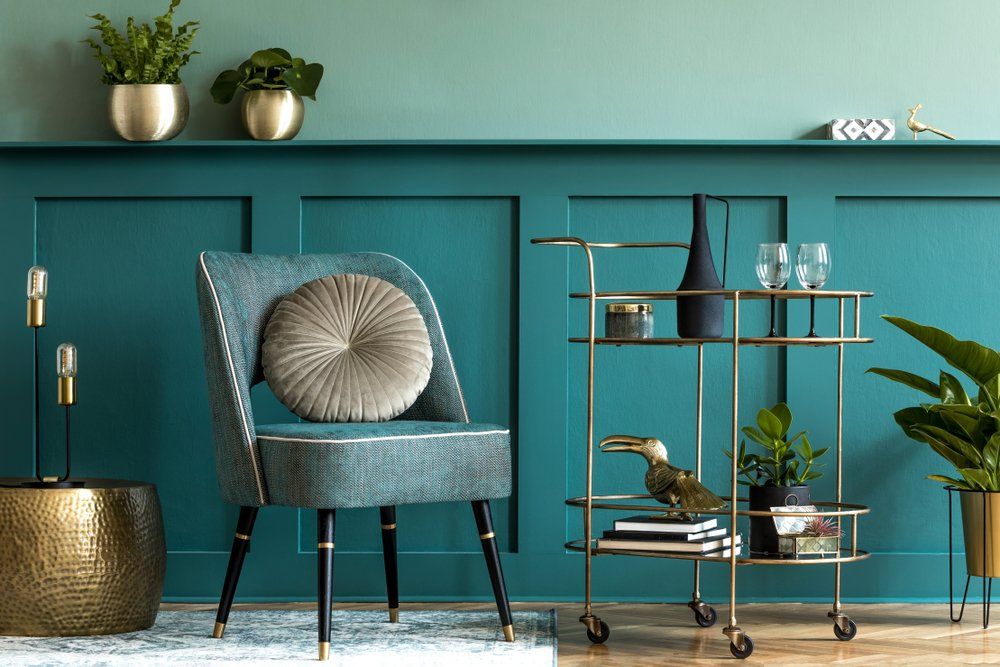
(430, 453)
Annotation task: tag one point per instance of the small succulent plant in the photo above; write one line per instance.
(818, 526)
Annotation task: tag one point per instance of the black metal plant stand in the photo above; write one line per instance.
(987, 581)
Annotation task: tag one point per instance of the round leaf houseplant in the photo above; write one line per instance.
(146, 100)
(962, 428)
(779, 476)
(274, 83)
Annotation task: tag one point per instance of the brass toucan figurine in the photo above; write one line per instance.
(666, 483)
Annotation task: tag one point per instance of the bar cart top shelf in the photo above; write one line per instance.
(728, 294)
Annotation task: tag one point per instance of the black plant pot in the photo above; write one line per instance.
(763, 534)
(700, 316)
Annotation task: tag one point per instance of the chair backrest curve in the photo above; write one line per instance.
(236, 295)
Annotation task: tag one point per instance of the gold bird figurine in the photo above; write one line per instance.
(668, 484)
(917, 126)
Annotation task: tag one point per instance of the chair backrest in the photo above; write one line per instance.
(236, 295)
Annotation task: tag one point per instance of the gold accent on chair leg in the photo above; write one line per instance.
(220, 629)
(325, 545)
(324, 650)
(388, 526)
(486, 536)
(241, 536)
(394, 614)
(508, 632)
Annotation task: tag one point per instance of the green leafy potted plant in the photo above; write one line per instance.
(777, 477)
(147, 101)
(275, 84)
(963, 428)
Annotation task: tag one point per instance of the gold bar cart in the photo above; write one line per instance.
(741, 645)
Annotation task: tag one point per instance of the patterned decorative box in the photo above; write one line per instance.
(809, 545)
(861, 129)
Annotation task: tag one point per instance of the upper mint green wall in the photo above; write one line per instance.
(541, 68)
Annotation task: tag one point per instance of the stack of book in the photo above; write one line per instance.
(653, 533)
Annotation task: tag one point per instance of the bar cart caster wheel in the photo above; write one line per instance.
(706, 620)
(852, 630)
(605, 633)
(747, 648)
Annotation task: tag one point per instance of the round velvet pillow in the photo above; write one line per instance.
(347, 348)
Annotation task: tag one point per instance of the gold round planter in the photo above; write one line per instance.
(272, 115)
(148, 111)
(81, 561)
(974, 523)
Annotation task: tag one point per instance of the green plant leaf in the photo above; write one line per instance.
(950, 481)
(282, 52)
(269, 58)
(754, 434)
(991, 453)
(784, 415)
(958, 452)
(304, 80)
(979, 362)
(954, 442)
(769, 424)
(952, 390)
(976, 478)
(909, 379)
(225, 86)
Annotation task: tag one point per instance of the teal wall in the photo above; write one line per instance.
(549, 69)
(120, 226)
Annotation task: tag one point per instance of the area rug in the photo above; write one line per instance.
(459, 638)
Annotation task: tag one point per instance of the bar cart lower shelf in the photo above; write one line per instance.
(705, 615)
(740, 643)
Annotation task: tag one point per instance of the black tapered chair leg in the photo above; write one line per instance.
(241, 542)
(387, 515)
(326, 522)
(484, 522)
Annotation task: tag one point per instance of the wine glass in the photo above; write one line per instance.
(812, 267)
(773, 270)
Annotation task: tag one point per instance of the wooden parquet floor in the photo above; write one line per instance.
(798, 635)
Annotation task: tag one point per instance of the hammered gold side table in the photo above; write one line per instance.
(80, 561)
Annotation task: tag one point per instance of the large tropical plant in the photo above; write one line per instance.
(144, 54)
(783, 463)
(963, 429)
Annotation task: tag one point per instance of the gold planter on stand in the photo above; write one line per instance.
(80, 561)
(148, 111)
(272, 114)
(973, 526)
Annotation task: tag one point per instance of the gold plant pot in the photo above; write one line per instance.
(975, 525)
(148, 111)
(271, 115)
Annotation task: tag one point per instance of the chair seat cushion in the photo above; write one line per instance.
(331, 465)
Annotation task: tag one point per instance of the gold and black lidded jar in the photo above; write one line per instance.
(628, 320)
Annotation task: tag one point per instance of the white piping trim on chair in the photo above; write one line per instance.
(444, 339)
(232, 371)
(422, 436)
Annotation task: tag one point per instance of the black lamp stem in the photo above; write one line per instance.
(66, 476)
(37, 434)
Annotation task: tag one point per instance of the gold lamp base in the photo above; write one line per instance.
(66, 391)
(36, 313)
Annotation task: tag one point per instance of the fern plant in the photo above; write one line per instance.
(144, 54)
